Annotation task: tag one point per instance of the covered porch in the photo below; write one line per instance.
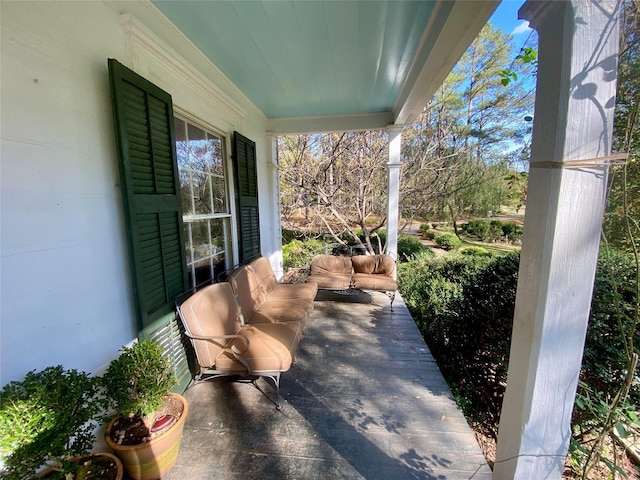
(364, 400)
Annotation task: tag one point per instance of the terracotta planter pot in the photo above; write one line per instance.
(118, 474)
(152, 459)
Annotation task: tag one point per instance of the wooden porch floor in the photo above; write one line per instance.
(365, 400)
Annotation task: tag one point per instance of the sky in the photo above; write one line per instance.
(506, 18)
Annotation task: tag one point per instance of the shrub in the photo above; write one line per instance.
(409, 247)
(478, 229)
(137, 381)
(479, 251)
(298, 254)
(464, 307)
(289, 235)
(424, 227)
(430, 235)
(48, 416)
(448, 241)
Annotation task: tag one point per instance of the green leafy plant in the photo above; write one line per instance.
(448, 241)
(47, 417)
(298, 253)
(409, 247)
(478, 251)
(137, 381)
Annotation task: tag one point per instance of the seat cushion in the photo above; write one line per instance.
(304, 291)
(372, 281)
(336, 281)
(282, 310)
(271, 347)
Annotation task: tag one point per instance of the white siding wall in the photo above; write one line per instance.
(65, 287)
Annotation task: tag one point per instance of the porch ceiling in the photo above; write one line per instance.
(365, 62)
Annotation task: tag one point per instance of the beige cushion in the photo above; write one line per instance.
(248, 291)
(364, 281)
(283, 310)
(305, 291)
(374, 264)
(334, 281)
(212, 311)
(330, 264)
(264, 274)
(270, 348)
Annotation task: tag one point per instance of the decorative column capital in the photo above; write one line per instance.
(394, 128)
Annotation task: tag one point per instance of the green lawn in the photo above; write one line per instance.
(497, 248)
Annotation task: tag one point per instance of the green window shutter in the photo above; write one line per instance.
(246, 179)
(143, 116)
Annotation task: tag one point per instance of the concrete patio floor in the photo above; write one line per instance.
(365, 400)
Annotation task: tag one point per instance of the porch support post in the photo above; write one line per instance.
(393, 190)
(573, 120)
(275, 258)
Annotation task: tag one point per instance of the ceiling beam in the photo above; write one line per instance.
(451, 29)
(330, 123)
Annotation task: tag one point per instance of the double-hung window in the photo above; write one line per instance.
(205, 203)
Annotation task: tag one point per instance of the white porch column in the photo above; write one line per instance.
(275, 258)
(393, 190)
(578, 49)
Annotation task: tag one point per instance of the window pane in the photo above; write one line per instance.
(181, 142)
(215, 155)
(185, 192)
(219, 195)
(206, 255)
(197, 148)
(201, 183)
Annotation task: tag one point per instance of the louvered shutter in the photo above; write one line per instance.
(244, 161)
(151, 195)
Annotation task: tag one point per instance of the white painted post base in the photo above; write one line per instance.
(573, 121)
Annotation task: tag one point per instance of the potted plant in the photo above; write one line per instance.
(47, 427)
(147, 428)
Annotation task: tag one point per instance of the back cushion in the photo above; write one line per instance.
(324, 264)
(385, 265)
(211, 311)
(363, 263)
(376, 264)
(247, 290)
(264, 273)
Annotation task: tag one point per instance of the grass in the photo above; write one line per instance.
(495, 248)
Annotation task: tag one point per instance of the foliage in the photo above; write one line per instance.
(410, 247)
(527, 55)
(424, 227)
(459, 154)
(612, 307)
(624, 183)
(464, 308)
(338, 181)
(477, 229)
(493, 231)
(49, 415)
(448, 241)
(479, 251)
(298, 254)
(138, 380)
